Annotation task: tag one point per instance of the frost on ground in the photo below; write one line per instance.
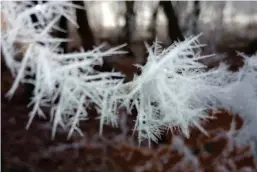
(174, 89)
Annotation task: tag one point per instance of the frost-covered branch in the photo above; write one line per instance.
(174, 88)
(67, 83)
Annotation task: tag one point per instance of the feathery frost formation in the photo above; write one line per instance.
(174, 89)
(65, 82)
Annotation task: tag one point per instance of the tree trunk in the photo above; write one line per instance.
(63, 34)
(84, 29)
(173, 26)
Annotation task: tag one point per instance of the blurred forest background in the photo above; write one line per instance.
(227, 27)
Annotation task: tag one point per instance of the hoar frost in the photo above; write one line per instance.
(174, 88)
(67, 83)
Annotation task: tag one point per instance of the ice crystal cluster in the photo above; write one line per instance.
(65, 82)
(174, 88)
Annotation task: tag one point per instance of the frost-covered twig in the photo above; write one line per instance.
(174, 88)
(67, 83)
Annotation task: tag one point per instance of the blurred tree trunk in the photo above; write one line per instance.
(84, 29)
(196, 13)
(63, 34)
(129, 26)
(173, 26)
(152, 27)
(130, 20)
